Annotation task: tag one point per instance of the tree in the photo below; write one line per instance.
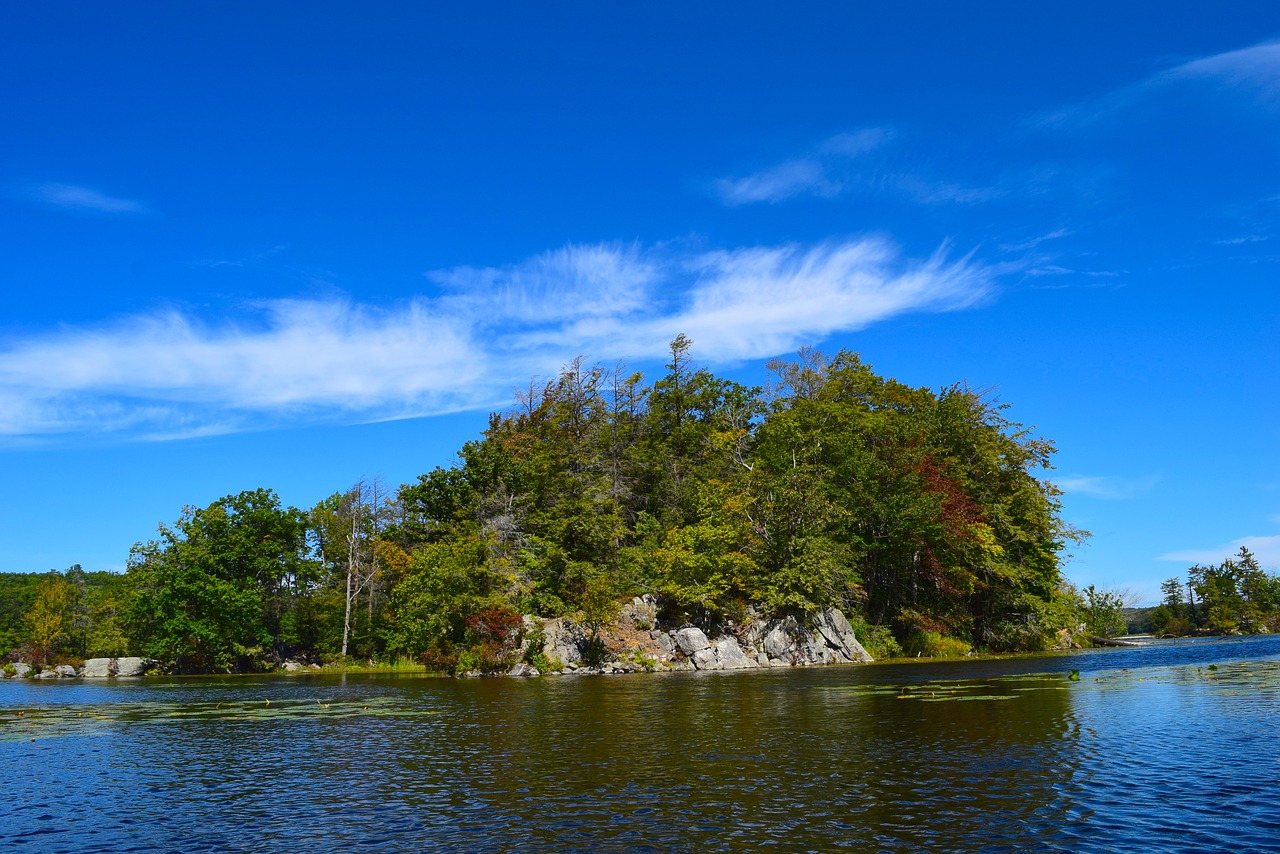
(1103, 611)
(212, 593)
(48, 620)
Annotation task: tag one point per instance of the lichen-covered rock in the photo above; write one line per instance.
(65, 671)
(21, 669)
(293, 667)
(96, 668)
(691, 640)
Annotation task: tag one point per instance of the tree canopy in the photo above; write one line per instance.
(925, 515)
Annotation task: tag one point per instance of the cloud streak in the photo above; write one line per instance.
(169, 374)
(1265, 549)
(1106, 488)
(822, 172)
(1253, 71)
(83, 199)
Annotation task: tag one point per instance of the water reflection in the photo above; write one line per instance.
(1151, 748)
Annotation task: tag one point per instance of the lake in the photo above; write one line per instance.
(1170, 747)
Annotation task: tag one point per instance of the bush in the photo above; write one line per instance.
(878, 641)
(930, 644)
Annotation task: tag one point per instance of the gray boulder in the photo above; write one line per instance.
(724, 654)
(293, 667)
(46, 674)
(66, 671)
(96, 668)
(705, 659)
(133, 666)
(691, 640)
(523, 669)
(668, 645)
(730, 655)
(21, 668)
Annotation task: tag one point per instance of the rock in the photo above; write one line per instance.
(837, 632)
(133, 666)
(96, 668)
(706, 659)
(730, 655)
(779, 641)
(21, 668)
(66, 671)
(762, 658)
(691, 640)
(667, 643)
(642, 611)
(523, 669)
(45, 674)
(563, 640)
(293, 667)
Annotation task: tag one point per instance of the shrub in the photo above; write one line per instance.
(878, 641)
(929, 644)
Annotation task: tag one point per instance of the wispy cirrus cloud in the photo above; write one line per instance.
(1253, 72)
(1265, 549)
(1109, 488)
(75, 198)
(822, 171)
(843, 164)
(170, 373)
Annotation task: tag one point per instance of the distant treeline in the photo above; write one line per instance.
(922, 514)
(1233, 597)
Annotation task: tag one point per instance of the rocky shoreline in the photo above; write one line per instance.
(636, 642)
(93, 668)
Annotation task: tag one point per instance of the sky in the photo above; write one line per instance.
(296, 244)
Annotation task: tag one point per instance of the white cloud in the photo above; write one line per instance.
(1265, 549)
(569, 283)
(71, 197)
(821, 172)
(1105, 487)
(1253, 71)
(170, 374)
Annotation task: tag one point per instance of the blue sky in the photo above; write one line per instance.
(296, 244)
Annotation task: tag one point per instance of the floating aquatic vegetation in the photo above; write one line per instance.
(50, 722)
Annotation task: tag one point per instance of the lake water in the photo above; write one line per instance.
(1172, 747)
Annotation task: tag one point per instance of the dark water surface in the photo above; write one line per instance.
(1150, 750)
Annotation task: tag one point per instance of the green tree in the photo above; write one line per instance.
(213, 592)
(49, 618)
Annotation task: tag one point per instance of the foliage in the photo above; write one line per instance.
(213, 592)
(48, 620)
(1234, 597)
(924, 515)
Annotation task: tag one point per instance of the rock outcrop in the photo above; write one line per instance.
(637, 641)
(101, 668)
